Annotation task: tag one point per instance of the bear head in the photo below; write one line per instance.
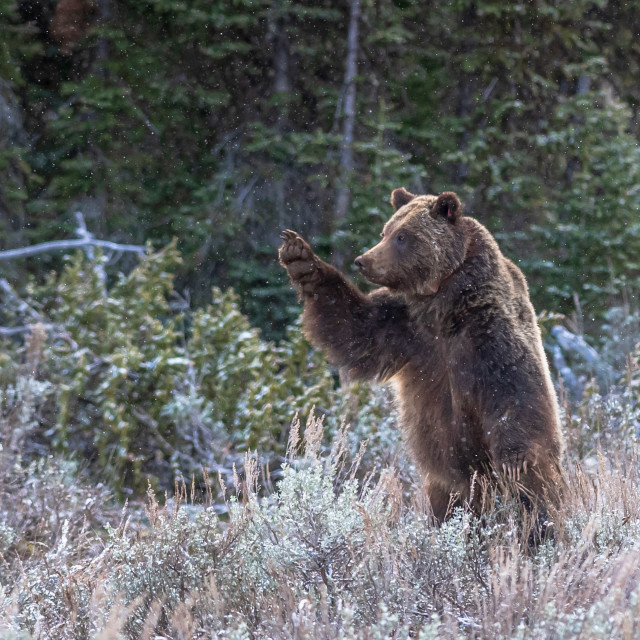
(422, 244)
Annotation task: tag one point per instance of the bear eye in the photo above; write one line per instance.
(401, 238)
(382, 234)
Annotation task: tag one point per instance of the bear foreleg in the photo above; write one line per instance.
(368, 334)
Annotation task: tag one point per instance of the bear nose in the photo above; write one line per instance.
(359, 262)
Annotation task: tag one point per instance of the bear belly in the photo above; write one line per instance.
(445, 441)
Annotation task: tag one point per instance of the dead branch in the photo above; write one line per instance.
(21, 306)
(14, 331)
(63, 245)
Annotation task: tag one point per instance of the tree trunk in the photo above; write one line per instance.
(13, 138)
(343, 196)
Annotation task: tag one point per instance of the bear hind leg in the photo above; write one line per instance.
(442, 502)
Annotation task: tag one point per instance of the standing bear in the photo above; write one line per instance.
(453, 329)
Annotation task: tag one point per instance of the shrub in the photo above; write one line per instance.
(142, 387)
(328, 556)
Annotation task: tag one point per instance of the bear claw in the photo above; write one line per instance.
(287, 234)
(298, 259)
(294, 248)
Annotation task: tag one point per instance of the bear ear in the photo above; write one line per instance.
(400, 197)
(448, 206)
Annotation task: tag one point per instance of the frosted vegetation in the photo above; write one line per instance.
(151, 482)
(241, 522)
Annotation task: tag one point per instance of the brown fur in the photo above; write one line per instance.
(453, 329)
(71, 22)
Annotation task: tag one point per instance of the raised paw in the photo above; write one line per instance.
(293, 248)
(297, 257)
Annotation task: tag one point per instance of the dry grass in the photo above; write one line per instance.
(338, 550)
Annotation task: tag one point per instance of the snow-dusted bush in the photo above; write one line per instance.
(329, 556)
(337, 542)
(142, 386)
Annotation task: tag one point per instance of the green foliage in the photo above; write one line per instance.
(323, 556)
(17, 44)
(117, 357)
(221, 123)
(255, 386)
(595, 242)
(144, 389)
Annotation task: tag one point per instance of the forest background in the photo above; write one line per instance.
(220, 123)
(200, 130)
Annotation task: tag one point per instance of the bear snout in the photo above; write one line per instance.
(371, 268)
(365, 266)
(376, 265)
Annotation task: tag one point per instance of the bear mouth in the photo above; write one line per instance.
(426, 287)
(375, 278)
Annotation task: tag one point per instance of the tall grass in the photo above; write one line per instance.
(339, 549)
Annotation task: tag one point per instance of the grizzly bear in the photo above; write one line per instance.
(453, 329)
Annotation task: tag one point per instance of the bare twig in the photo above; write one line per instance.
(86, 242)
(17, 302)
(83, 232)
(14, 331)
(489, 90)
(62, 245)
(98, 266)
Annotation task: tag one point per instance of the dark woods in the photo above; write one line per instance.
(221, 123)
